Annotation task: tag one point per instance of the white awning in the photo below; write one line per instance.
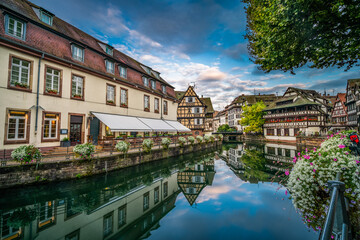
(178, 126)
(158, 125)
(120, 123)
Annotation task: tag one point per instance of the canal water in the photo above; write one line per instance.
(230, 194)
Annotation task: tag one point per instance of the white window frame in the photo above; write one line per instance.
(123, 71)
(123, 96)
(146, 201)
(145, 81)
(109, 50)
(109, 66)
(21, 71)
(42, 13)
(156, 104)
(153, 84)
(156, 195)
(52, 75)
(122, 216)
(79, 84)
(110, 93)
(163, 88)
(165, 107)
(8, 18)
(77, 52)
(17, 118)
(147, 101)
(108, 224)
(50, 119)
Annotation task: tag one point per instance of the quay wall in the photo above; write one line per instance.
(26, 174)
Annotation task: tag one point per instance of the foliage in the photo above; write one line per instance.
(220, 137)
(311, 173)
(199, 139)
(65, 139)
(284, 35)
(122, 146)
(21, 217)
(191, 139)
(207, 138)
(182, 141)
(226, 128)
(253, 117)
(26, 154)
(165, 143)
(84, 151)
(147, 145)
(212, 138)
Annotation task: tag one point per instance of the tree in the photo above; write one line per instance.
(284, 35)
(253, 117)
(226, 128)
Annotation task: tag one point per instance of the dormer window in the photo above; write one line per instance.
(46, 17)
(123, 71)
(14, 27)
(145, 81)
(153, 84)
(156, 74)
(109, 66)
(109, 50)
(163, 87)
(77, 52)
(146, 69)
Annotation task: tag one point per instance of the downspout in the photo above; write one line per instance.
(161, 108)
(37, 94)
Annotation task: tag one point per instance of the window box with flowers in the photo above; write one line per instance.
(21, 85)
(52, 91)
(147, 109)
(78, 96)
(123, 105)
(111, 102)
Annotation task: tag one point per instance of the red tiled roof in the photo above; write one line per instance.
(342, 97)
(56, 40)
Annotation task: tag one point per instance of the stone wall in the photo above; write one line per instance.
(55, 171)
(310, 141)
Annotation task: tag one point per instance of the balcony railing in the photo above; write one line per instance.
(288, 114)
(294, 124)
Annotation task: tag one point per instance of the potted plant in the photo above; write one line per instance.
(110, 101)
(77, 96)
(84, 151)
(21, 85)
(123, 105)
(120, 137)
(139, 136)
(130, 136)
(147, 109)
(65, 142)
(52, 91)
(26, 154)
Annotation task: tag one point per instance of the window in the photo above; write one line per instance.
(15, 27)
(146, 103)
(108, 224)
(17, 126)
(46, 214)
(52, 81)
(46, 17)
(190, 99)
(156, 74)
(197, 179)
(198, 121)
(165, 107)
(20, 73)
(50, 125)
(7, 231)
(77, 52)
(191, 190)
(278, 132)
(270, 132)
(145, 81)
(109, 50)
(163, 87)
(146, 201)
(156, 105)
(110, 94)
(156, 195)
(286, 132)
(77, 87)
(122, 216)
(73, 236)
(199, 110)
(123, 97)
(123, 72)
(165, 189)
(109, 66)
(153, 84)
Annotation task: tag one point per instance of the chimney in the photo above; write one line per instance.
(202, 96)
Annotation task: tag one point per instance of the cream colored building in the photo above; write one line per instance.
(53, 77)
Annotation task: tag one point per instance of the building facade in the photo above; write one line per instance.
(54, 76)
(339, 117)
(209, 115)
(298, 111)
(353, 103)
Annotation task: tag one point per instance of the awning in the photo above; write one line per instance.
(178, 126)
(120, 123)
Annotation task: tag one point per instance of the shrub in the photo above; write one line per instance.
(207, 138)
(191, 139)
(199, 139)
(122, 146)
(165, 143)
(65, 139)
(313, 169)
(212, 138)
(182, 141)
(138, 135)
(147, 145)
(26, 154)
(84, 151)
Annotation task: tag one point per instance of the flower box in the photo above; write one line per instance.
(52, 91)
(21, 85)
(77, 96)
(123, 105)
(146, 109)
(110, 102)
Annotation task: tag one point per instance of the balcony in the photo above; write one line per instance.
(291, 114)
(294, 124)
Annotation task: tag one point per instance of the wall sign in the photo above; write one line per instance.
(63, 131)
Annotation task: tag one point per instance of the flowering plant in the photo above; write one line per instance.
(199, 139)
(313, 169)
(207, 138)
(165, 142)
(212, 138)
(191, 139)
(26, 154)
(182, 141)
(147, 145)
(122, 146)
(84, 151)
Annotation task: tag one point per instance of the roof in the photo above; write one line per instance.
(55, 40)
(252, 99)
(208, 104)
(179, 94)
(298, 102)
(341, 97)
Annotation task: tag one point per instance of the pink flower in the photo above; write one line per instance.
(306, 156)
(311, 164)
(314, 149)
(341, 146)
(346, 153)
(331, 135)
(287, 172)
(314, 170)
(306, 150)
(298, 153)
(335, 159)
(357, 161)
(286, 192)
(319, 154)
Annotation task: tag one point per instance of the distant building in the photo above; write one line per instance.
(353, 103)
(339, 117)
(223, 117)
(216, 121)
(209, 115)
(235, 109)
(298, 111)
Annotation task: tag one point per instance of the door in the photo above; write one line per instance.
(75, 129)
(94, 130)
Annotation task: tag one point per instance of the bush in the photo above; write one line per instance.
(147, 145)
(26, 154)
(191, 139)
(212, 138)
(138, 135)
(122, 146)
(165, 143)
(182, 141)
(220, 137)
(199, 139)
(84, 151)
(65, 139)
(207, 138)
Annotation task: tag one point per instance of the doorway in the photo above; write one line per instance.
(75, 129)
(94, 130)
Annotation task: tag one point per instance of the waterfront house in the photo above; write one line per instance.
(339, 117)
(216, 121)
(297, 111)
(58, 81)
(353, 103)
(209, 115)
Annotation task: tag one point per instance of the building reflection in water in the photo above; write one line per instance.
(129, 208)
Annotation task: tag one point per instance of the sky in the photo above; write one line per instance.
(197, 42)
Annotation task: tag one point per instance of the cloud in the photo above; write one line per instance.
(151, 59)
(237, 52)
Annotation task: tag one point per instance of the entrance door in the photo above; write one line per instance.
(75, 129)
(94, 130)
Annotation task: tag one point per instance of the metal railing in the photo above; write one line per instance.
(337, 223)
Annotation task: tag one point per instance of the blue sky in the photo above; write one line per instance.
(191, 41)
